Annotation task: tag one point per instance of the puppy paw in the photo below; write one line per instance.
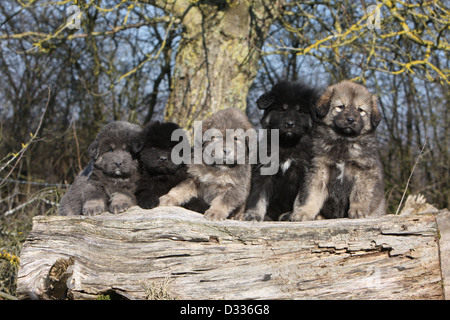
(285, 216)
(93, 207)
(253, 216)
(215, 215)
(357, 210)
(148, 203)
(166, 201)
(120, 203)
(118, 207)
(302, 215)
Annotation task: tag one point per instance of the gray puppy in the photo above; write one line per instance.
(223, 178)
(346, 175)
(110, 179)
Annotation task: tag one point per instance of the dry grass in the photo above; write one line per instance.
(159, 290)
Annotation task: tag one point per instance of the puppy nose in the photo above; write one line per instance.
(163, 158)
(350, 120)
(118, 163)
(290, 124)
(226, 151)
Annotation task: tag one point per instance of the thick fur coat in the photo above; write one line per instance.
(109, 182)
(346, 176)
(159, 172)
(220, 179)
(290, 108)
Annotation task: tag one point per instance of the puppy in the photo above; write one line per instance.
(159, 173)
(346, 177)
(222, 178)
(110, 180)
(288, 107)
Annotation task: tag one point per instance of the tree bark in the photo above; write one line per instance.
(173, 253)
(218, 54)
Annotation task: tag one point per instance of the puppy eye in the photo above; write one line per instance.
(362, 112)
(110, 150)
(340, 108)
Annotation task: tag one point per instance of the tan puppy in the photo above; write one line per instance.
(346, 177)
(220, 179)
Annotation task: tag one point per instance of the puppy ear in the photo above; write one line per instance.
(94, 150)
(375, 116)
(206, 125)
(323, 103)
(135, 138)
(137, 144)
(265, 101)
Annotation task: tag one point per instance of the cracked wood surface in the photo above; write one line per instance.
(175, 253)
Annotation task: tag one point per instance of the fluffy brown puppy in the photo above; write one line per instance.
(346, 177)
(222, 179)
(108, 183)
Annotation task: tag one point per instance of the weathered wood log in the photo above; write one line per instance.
(175, 253)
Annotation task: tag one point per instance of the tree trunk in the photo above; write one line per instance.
(168, 253)
(217, 58)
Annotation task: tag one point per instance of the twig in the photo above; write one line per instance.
(20, 154)
(37, 197)
(410, 176)
(7, 296)
(80, 167)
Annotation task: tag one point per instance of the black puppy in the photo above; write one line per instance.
(290, 108)
(159, 173)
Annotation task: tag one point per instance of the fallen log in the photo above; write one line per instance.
(173, 253)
